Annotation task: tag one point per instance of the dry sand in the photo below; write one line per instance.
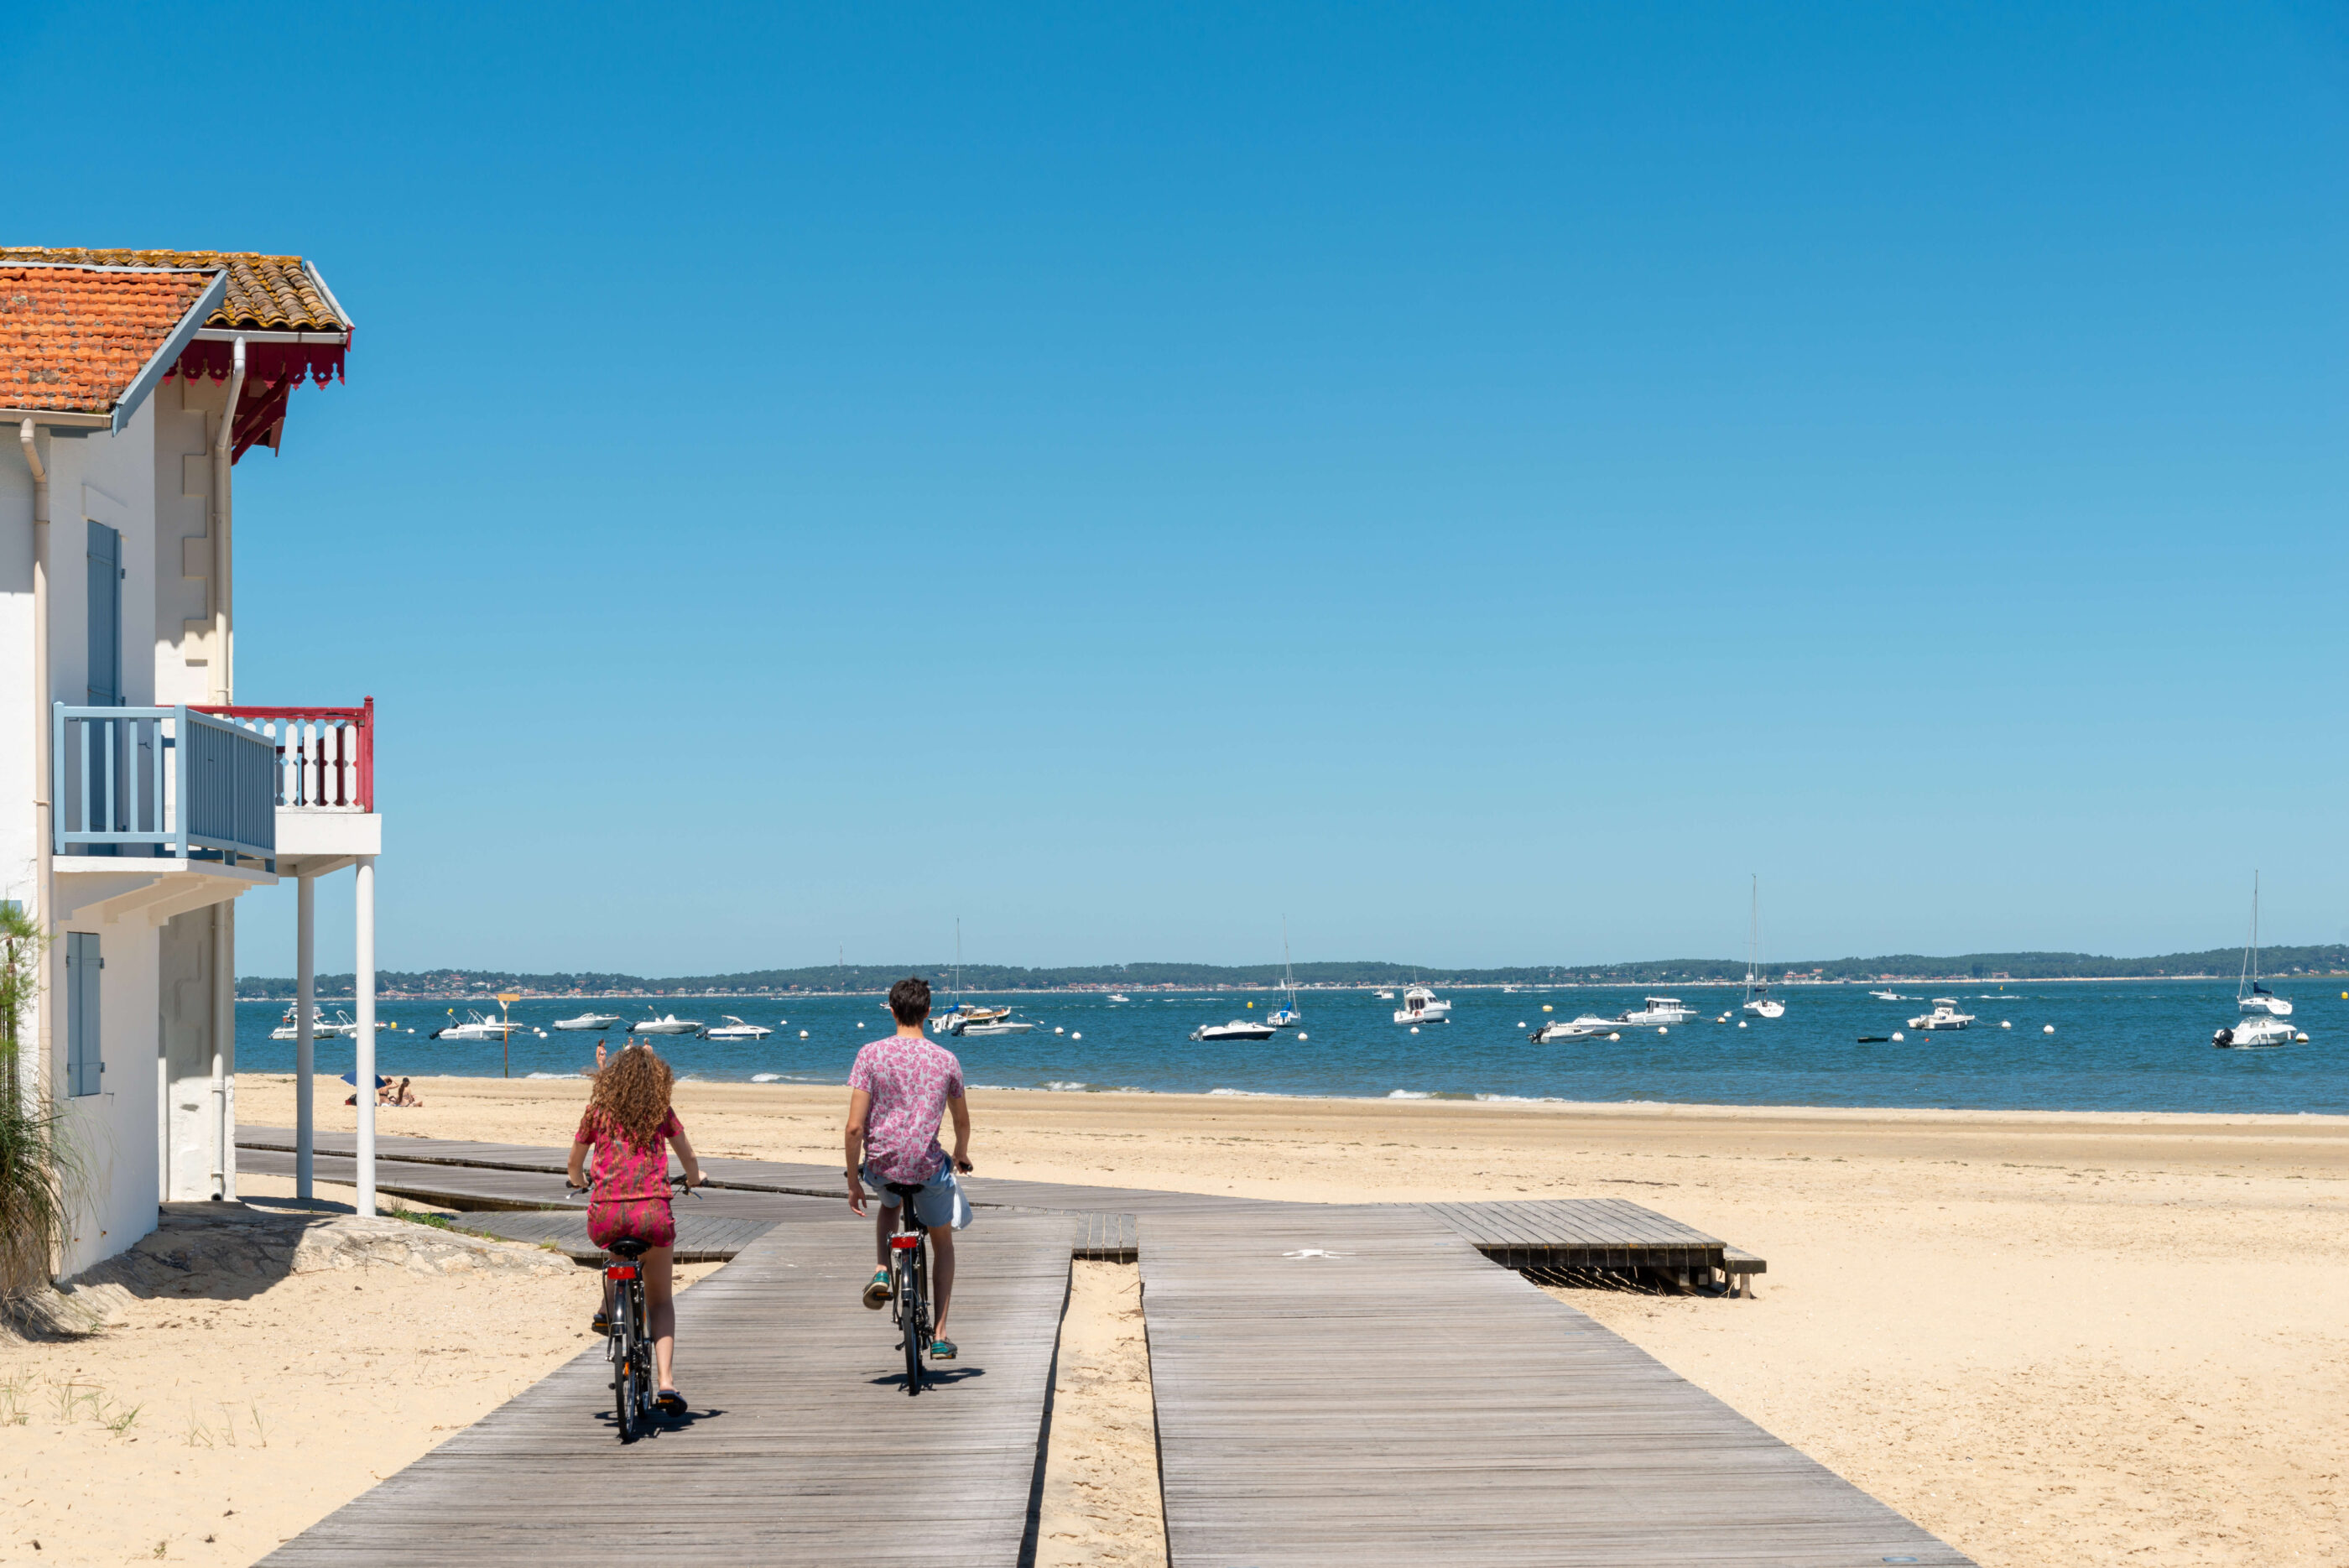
(2050, 1338)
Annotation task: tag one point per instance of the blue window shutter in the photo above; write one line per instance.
(105, 617)
(85, 1058)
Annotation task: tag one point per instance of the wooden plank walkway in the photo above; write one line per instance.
(803, 1448)
(1404, 1403)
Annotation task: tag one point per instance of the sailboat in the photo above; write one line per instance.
(1758, 1000)
(1287, 1017)
(2251, 996)
(966, 1022)
(2262, 1026)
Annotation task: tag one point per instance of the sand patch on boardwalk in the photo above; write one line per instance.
(2008, 1325)
(1100, 1475)
(238, 1403)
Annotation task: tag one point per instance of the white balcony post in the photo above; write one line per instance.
(306, 907)
(365, 1074)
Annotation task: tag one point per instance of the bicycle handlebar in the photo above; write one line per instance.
(571, 1192)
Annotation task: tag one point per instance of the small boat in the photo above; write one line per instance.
(1237, 1029)
(289, 1026)
(669, 1024)
(735, 1029)
(1889, 996)
(1945, 1015)
(2251, 996)
(2257, 1032)
(1876, 1039)
(592, 1020)
(1386, 996)
(1660, 1010)
(1287, 1017)
(475, 1027)
(1420, 1006)
(1113, 996)
(1584, 1028)
(1758, 1000)
(989, 1022)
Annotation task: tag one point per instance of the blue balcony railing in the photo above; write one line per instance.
(162, 780)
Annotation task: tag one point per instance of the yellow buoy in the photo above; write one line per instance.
(1545, 1005)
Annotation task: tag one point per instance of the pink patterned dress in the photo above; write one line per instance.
(630, 1184)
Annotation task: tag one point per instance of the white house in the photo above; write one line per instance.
(130, 384)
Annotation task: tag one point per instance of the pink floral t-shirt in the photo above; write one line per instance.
(625, 1168)
(910, 1081)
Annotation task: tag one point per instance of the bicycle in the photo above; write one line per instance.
(628, 1345)
(909, 1301)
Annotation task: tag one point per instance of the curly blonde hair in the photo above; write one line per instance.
(633, 1091)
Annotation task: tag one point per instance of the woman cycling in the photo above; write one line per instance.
(629, 1127)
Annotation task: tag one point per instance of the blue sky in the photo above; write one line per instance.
(1479, 481)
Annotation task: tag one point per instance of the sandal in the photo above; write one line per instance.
(942, 1350)
(669, 1402)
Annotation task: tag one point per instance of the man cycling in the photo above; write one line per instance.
(897, 1091)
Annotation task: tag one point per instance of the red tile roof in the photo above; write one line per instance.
(73, 339)
(265, 294)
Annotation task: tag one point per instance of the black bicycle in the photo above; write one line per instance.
(630, 1342)
(909, 1301)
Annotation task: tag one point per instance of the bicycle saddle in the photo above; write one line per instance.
(629, 1247)
(904, 1189)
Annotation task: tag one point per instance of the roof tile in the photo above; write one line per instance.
(265, 294)
(72, 339)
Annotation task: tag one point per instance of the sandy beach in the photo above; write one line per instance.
(2046, 1337)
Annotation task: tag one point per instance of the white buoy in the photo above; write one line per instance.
(1076, 1036)
(2049, 1030)
(2003, 1023)
(1415, 1029)
(1741, 1023)
(782, 1023)
(1056, 1029)
(1897, 1035)
(1521, 1024)
(802, 1033)
(1662, 1030)
(1615, 1037)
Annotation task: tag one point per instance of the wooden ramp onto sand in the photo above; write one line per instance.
(1356, 1386)
(803, 1448)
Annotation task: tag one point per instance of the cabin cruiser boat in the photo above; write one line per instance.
(1113, 996)
(1660, 1010)
(1237, 1029)
(1890, 996)
(590, 1021)
(1945, 1015)
(964, 1016)
(2257, 1032)
(735, 1029)
(476, 1027)
(669, 1024)
(289, 1026)
(1386, 996)
(999, 1023)
(1586, 1027)
(1420, 1006)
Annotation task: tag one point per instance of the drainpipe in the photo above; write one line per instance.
(223, 950)
(223, 444)
(42, 837)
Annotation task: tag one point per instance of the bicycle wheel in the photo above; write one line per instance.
(624, 1359)
(913, 1316)
(645, 1360)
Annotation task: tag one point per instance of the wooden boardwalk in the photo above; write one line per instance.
(1355, 1387)
(803, 1448)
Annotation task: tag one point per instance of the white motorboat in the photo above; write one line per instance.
(1287, 1017)
(1660, 1010)
(1945, 1015)
(2251, 996)
(1586, 1027)
(1420, 1006)
(475, 1027)
(1001, 1023)
(1237, 1029)
(1890, 996)
(590, 1021)
(1758, 1000)
(1113, 996)
(2256, 1032)
(669, 1024)
(1386, 996)
(735, 1029)
(289, 1026)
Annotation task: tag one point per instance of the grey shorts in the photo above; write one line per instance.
(940, 1202)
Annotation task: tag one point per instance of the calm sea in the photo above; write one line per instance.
(2118, 1045)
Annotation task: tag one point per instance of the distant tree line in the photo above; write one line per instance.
(2330, 958)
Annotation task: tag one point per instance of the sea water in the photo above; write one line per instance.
(2115, 1046)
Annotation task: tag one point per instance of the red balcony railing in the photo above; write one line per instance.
(326, 756)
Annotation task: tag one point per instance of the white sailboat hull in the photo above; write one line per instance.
(1762, 1007)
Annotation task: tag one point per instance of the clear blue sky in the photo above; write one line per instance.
(1478, 480)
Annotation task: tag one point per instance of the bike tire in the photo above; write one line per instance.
(912, 1275)
(646, 1358)
(624, 1359)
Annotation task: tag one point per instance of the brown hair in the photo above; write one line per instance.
(909, 1000)
(632, 1091)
